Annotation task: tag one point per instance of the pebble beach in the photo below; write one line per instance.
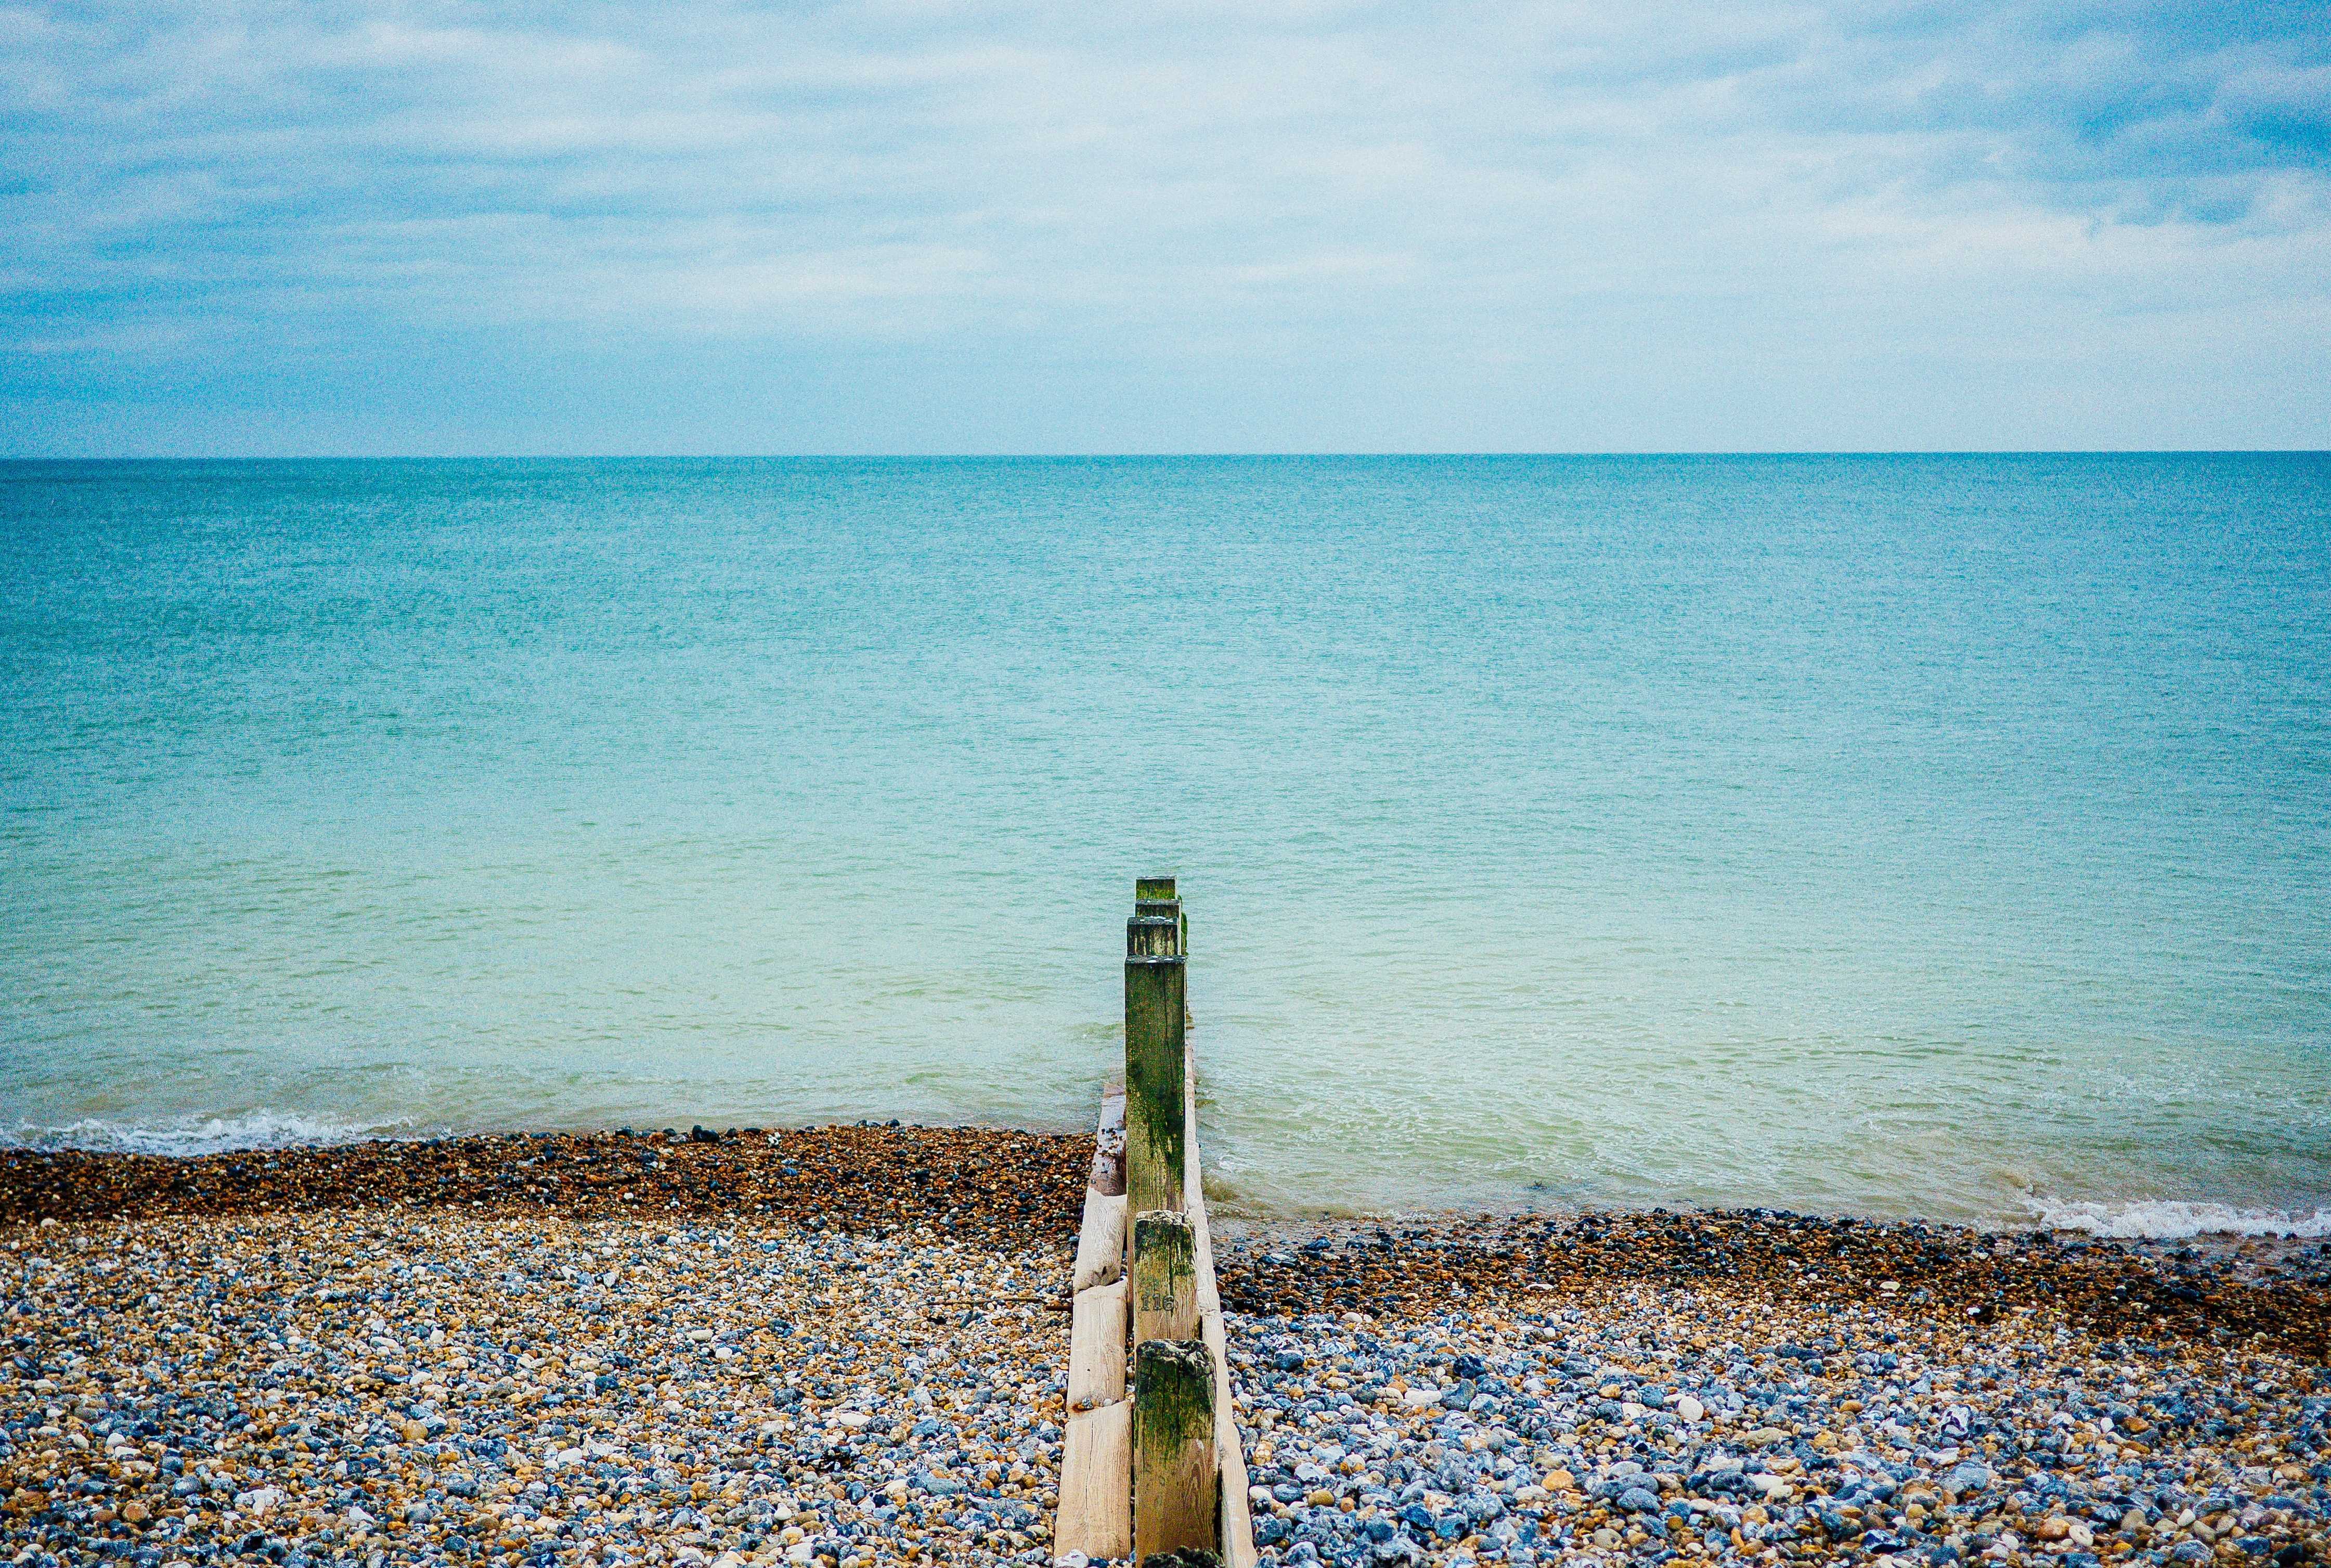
(848, 1346)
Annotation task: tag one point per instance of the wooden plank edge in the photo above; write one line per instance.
(1109, 1143)
(1101, 1243)
(1095, 1510)
(1095, 1513)
(1097, 1346)
(1237, 1521)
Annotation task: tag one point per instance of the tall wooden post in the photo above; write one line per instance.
(1164, 1278)
(1154, 898)
(1155, 1080)
(1176, 1472)
(1153, 936)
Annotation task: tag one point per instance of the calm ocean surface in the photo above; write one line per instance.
(1947, 836)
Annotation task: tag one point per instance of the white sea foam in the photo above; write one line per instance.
(2169, 1219)
(262, 1128)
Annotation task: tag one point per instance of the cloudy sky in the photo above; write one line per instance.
(382, 226)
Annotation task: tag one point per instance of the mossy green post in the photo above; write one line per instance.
(1154, 897)
(1176, 1472)
(1152, 937)
(1149, 899)
(1155, 1081)
(1164, 1277)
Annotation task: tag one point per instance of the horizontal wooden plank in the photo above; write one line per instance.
(1095, 1516)
(1109, 1144)
(1097, 1347)
(1101, 1243)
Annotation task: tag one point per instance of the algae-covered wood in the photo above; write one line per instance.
(1176, 1465)
(1155, 1112)
(1164, 1277)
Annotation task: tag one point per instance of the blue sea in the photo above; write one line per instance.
(1947, 836)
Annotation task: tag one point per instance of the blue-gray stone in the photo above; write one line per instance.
(1968, 1478)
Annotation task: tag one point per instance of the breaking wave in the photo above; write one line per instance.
(2168, 1219)
(198, 1135)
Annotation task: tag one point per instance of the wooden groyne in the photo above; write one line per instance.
(1152, 1461)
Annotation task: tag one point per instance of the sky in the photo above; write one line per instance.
(366, 226)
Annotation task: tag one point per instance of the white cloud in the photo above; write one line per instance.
(1354, 189)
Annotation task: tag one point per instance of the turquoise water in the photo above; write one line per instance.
(1929, 835)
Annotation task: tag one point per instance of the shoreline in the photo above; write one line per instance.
(974, 1180)
(847, 1346)
(988, 1183)
(2284, 1218)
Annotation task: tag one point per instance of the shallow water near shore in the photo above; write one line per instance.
(1906, 835)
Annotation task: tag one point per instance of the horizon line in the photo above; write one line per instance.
(1138, 456)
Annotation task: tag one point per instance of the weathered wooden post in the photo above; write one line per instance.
(1161, 1472)
(1164, 1278)
(1176, 1471)
(1156, 896)
(1154, 1082)
(1153, 936)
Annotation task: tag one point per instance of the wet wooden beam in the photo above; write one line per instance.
(1177, 1467)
